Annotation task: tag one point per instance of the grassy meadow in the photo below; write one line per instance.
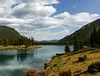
(66, 61)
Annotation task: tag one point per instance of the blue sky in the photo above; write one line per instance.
(48, 19)
(14, 5)
(77, 6)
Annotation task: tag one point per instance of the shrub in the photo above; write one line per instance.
(43, 73)
(45, 65)
(82, 58)
(94, 67)
(66, 73)
(85, 57)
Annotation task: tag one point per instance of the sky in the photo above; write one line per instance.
(48, 19)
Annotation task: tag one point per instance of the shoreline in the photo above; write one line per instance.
(59, 62)
(18, 47)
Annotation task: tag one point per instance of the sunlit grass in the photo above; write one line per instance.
(18, 47)
(70, 61)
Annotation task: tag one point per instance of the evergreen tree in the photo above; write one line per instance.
(32, 41)
(81, 41)
(98, 37)
(17, 41)
(6, 42)
(2, 40)
(93, 36)
(67, 48)
(36, 43)
(76, 44)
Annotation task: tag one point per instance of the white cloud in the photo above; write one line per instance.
(42, 2)
(31, 10)
(63, 15)
(2, 12)
(33, 18)
(78, 19)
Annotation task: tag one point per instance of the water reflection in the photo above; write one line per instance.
(22, 56)
(17, 72)
(16, 62)
(5, 58)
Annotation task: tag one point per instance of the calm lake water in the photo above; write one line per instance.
(13, 63)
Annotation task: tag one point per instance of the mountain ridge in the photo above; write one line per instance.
(8, 32)
(85, 31)
(48, 40)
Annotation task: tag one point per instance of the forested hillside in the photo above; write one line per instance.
(9, 36)
(85, 31)
(8, 32)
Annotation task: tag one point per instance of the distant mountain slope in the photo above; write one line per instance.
(8, 32)
(85, 31)
(49, 41)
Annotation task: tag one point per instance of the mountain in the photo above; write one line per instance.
(49, 41)
(85, 31)
(8, 32)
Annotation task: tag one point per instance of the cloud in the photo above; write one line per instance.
(34, 18)
(2, 13)
(32, 10)
(78, 19)
(42, 2)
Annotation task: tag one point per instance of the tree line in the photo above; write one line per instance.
(22, 40)
(95, 37)
(79, 42)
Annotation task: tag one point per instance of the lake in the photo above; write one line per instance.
(16, 62)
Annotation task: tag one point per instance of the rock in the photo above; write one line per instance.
(31, 72)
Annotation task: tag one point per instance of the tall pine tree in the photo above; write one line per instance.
(93, 36)
(81, 41)
(98, 37)
(76, 44)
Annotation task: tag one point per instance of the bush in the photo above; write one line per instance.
(45, 65)
(43, 73)
(66, 73)
(82, 58)
(85, 57)
(94, 67)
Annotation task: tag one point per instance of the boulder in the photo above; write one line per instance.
(31, 72)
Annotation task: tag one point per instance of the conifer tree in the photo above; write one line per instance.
(32, 41)
(17, 41)
(36, 43)
(93, 36)
(81, 41)
(76, 44)
(67, 48)
(6, 42)
(98, 37)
